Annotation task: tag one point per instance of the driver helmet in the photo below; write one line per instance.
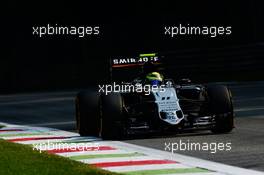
(154, 78)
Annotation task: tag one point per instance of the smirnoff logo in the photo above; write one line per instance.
(135, 60)
(124, 61)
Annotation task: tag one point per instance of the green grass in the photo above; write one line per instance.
(21, 159)
(1, 126)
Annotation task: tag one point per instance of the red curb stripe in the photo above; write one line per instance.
(130, 163)
(35, 138)
(81, 149)
(4, 130)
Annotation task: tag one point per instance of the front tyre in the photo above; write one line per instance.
(87, 113)
(111, 110)
(220, 105)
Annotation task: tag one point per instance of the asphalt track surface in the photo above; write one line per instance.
(56, 110)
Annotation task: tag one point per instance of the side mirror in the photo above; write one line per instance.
(185, 81)
(169, 83)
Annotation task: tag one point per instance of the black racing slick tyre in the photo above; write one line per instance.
(221, 106)
(87, 113)
(111, 110)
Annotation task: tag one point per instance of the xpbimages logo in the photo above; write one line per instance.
(213, 147)
(211, 31)
(122, 88)
(79, 31)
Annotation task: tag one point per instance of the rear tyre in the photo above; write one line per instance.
(87, 113)
(112, 107)
(220, 105)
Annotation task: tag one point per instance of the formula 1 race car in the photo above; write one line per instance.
(119, 112)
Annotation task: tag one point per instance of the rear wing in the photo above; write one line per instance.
(119, 62)
(128, 67)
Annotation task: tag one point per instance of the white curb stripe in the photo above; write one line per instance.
(69, 140)
(118, 151)
(209, 173)
(32, 136)
(145, 167)
(117, 159)
(32, 142)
